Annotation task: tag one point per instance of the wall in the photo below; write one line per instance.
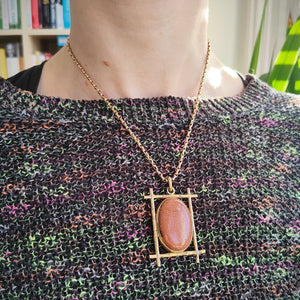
(233, 27)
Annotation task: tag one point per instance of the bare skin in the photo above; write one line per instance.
(137, 48)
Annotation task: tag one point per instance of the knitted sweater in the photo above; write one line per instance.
(74, 223)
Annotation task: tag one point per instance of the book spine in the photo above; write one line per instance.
(21, 63)
(66, 14)
(3, 66)
(5, 14)
(28, 13)
(19, 25)
(13, 14)
(47, 55)
(39, 57)
(46, 13)
(53, 13)
(1, 25)
(40, 10)
(59, 14)
(34, 59)
(35, 14)
(12, 58)
(61, 40)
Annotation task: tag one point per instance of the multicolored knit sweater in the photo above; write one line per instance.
(74, 223)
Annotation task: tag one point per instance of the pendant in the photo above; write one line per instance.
(173, 225)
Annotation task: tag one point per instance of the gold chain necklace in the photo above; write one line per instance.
(172, 212)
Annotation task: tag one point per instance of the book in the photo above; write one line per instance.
(35, 14)
(34, 59)
(1, 26)
(46, 14)
(5, 14)
(53, 13)
(59, 14)
(19, 26)
(61, 40)
(38, 57)
(13, 14)
(40, 12)
(66, 14)
(21, 61)
(3, 67)
(12, 52)
(28, 13)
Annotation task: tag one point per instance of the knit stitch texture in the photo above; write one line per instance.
(74, 223)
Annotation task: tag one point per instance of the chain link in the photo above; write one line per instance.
(138, 142)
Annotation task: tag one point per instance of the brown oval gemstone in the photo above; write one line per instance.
(175, 225)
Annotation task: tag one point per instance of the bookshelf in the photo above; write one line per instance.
(31, 39)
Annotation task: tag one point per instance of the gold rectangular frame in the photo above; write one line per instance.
(159, 255)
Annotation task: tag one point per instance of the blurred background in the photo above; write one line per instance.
(36, 29)
(234, 24)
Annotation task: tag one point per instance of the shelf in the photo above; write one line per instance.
(31, 40)
(11, 32)
(34, 32)
(47, 32)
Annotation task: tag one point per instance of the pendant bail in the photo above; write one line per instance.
(170, 190)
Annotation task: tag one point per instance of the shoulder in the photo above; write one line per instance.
(262, 92)
(284, 99)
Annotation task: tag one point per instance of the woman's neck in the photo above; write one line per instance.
(132, 48)
(135, 48)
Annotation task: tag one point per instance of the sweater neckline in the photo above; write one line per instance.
(39, 106)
